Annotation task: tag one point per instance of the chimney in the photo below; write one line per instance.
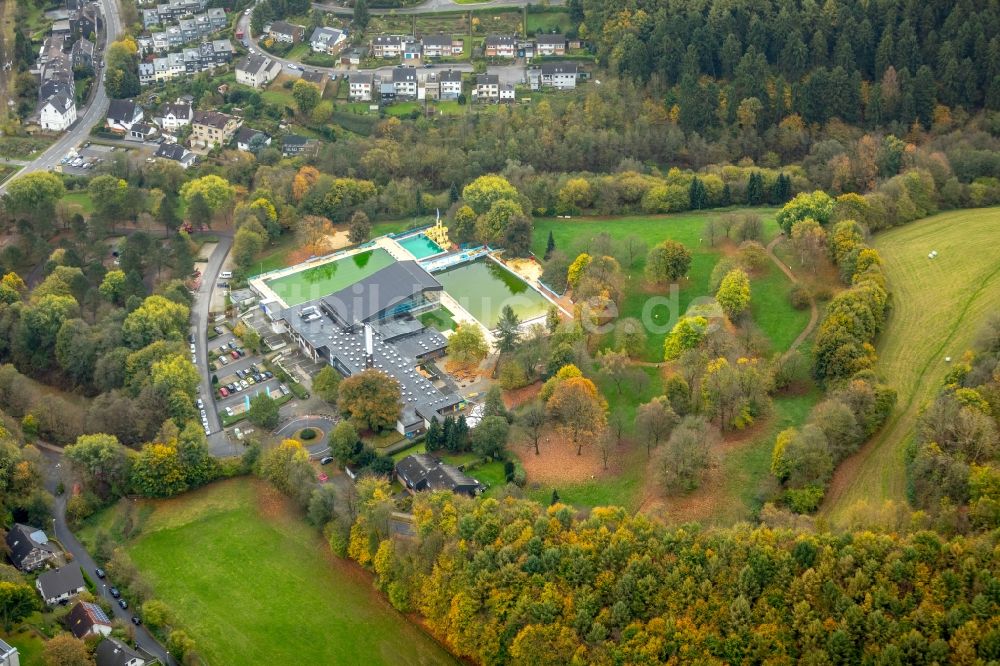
(369, 348)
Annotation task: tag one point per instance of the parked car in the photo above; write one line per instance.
(123, 604)
(232, 344)
(322, 477)
(100, 572)
(268, 374)
(240, 373)
(250, 380)
(224, 360)
(242, 352)
(244, 385)
(326, 460)
(201, 404)
(223, 391)
(114, 592)
(219, 330)
(235, 354)
(191, 338)
(136, 621)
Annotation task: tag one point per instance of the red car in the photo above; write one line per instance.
(223, 391)
(323, 478)
(234, 354)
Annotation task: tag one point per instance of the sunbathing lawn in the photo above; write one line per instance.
(250, 577)
(327, 278)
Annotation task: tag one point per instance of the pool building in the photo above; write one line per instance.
(332, 330)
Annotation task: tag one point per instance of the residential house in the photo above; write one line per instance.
(58, 113)
(29, 547)
(61, 584)
(525, 48)
(142, 132)
(387, 92)
(560, 75)
(147, 73)
(500, 46)
(112, 652)
(86, 21)
(9, 655)
(145, 44)
(177, 153)
(317, 78)
(211, 128)
(248, 139)
(431, 88)
(175, 115)
(83, 53)
(404, 81)
(87, 619)
(257, 71)
(386, 46)
(285, 33)
(451, 83)
(551, 45)
(354, 56)
(327, 40)
(487, 88)
(506, 93)
(122, 114)
(422, 471)
(61, 27)
(441, 45)
(412, 50)
(361, 86)
(293, 144)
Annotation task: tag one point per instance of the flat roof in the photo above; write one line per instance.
(372, 295)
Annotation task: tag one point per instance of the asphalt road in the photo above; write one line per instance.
(325, 424)
(218, 444)
(80, 556)
(433, 6)
(94, 112)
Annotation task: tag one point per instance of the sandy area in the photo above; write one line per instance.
(529, 269)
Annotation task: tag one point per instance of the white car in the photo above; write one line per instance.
(201, 404)
(207, 431)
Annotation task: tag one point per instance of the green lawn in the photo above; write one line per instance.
(551, 20)
(770, 306)
(29, 646)
(279, 97)
(249, 577)
(80, 198)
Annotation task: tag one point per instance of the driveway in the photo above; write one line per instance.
(317, 447)
(218, 444)
(56, 469)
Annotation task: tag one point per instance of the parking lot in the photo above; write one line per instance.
(242, 376)
(83, 161)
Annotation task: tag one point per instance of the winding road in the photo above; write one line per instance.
(319, 422)
(55, 475)
(94, 111)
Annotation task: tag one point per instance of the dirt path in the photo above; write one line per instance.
(813, 309)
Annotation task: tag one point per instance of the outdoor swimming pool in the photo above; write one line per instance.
(420, 246)
(483, 288)
(327, 278)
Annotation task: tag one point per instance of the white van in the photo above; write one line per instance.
(225, 275)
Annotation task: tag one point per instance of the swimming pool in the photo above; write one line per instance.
(327, 278)
(483, 288)
(420, 246)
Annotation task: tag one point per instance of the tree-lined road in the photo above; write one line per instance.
(93, 113)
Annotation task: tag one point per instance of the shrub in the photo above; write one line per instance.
(804, 500)
(799, 297)
(307, 434)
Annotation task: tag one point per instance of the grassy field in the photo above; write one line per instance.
(552, 20)
(80, 198)
(29, 647)
(937, 306)
(769, 304)
(439, 318)
(249, 577)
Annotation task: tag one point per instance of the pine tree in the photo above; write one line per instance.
(550, 246)
(555, 497)
(434, 440)
(755, 189)
(727, 196)
(453, 193)
(697, 195)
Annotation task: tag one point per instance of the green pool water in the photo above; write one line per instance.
(484, 288)
(327, 278)
(420, 246)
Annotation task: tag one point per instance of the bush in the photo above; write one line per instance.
(799, 297)
(307, 434)
(804, 500)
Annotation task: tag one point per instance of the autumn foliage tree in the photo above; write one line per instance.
(370, 397)
(578, 410)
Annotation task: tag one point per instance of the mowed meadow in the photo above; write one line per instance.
(251, 582)
(937, 307)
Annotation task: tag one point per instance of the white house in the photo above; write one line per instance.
(122, 114)
(439, 45)
(246, 138)
(487, 88)
(404, 81)
(58, 113)
(61, 584)
(9, 655)
(387, 46)
(560, 75)
(500, 46)
(327, 40)
(506, 93)
(177, 153)
(451, 84)
(257, 71)
(87, 619)
(175, 115)
(551, 45)
(361, 87)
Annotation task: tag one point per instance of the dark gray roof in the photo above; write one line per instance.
(22, 539)
(294, 140)
(211, 118)
(450, 75)
(496, 40)
(112, 652)
(285, 28)
(487, 79)
(171, 151)
(551, 39)
(439, 39)
(318, 78)
(57, 582)
(253, 64)
(403, 74)
(550, 68)
(179, 109)
(380, 291)
(123, 110)
(246, 134)
(422, 471)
